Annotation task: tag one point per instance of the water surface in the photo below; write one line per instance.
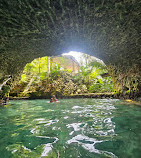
(73, 128)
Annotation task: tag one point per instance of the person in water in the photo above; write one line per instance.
(53, 99)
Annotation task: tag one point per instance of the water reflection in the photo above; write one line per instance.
(86, 142)
(49, 146)
(73, 127)
(98, 123)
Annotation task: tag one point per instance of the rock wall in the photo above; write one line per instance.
(126, 82)
(109, 30)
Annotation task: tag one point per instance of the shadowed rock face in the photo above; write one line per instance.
(107, 29)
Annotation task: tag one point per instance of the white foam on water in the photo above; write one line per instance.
(14, 150)
(33, 130)
(39, 119)
(71, 133)
(88, 144)
(50, 122)
(47, 147)
(76, 107)
(66, 117)
(76, 126)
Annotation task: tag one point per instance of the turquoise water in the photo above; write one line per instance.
(73, 128)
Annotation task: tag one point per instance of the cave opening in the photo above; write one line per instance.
(68, 74)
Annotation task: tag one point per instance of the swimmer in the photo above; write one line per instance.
(53, 99)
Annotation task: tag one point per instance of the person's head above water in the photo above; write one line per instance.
(53, 99)
(53, 96)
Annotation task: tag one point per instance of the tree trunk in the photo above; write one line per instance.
(48, 66)
(39, 69)
(4, 82)
(73, 67)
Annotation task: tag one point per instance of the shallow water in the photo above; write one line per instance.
(73, 128)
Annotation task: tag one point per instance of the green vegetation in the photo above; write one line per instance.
(43, 77)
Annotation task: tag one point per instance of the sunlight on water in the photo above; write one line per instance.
(83, 128)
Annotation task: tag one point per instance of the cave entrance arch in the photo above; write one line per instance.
(72, 73)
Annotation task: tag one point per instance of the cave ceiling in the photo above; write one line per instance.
(107, 29)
